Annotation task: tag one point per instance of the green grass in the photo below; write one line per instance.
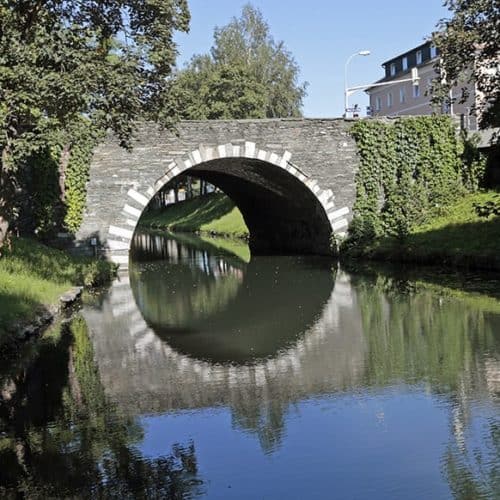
(456, 236)
(33, 276)
(214, 213)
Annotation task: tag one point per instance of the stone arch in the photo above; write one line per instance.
(119, 237)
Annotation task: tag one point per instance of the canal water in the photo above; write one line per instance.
(203, 372)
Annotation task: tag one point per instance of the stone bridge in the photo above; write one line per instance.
(292, 179)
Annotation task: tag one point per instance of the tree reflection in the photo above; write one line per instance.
(422, 332)
(473, 472)
(419, 332)
(59, 436)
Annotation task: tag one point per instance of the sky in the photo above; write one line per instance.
(321, 35)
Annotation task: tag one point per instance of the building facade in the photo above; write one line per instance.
(403, 98)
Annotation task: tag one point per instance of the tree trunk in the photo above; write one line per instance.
(4, 196)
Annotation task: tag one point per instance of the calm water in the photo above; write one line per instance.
(204, 373)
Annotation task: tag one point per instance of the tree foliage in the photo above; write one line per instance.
(469, 44)
(246, 75)
(64, 61)
(221, 92)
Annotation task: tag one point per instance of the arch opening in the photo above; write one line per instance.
(282, 215)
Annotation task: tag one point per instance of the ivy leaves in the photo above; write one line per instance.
(408, 169)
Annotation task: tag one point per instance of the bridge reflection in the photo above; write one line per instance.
(280, 333)
(262, 336)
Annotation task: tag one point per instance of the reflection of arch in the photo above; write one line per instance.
(269, 309)
(212, 163)
(145, 374)
(131, 355)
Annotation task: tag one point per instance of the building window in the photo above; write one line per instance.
(419, 57)
(389, 100)
(405, 63)
(402, 95)
(378, 103)
(433, 51)
(393, 69)
(416, 91)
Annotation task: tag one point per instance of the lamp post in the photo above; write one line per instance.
(346, 90)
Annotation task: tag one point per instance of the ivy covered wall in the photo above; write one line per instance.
(55, 182)
(409, 169)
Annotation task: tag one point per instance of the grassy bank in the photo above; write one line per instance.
(214, 213)
(455, 236)
(33, 276)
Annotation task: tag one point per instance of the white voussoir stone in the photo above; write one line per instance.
(119, 231)
(162, 181)
(250, 149)
(132, 211)
(340, 224)
(274, 159)
(208, 154)
(179, 163)
(117, 245)
(338, 213)
(323, 197)
(221, 150)
(196, 157)
(261, 155)
(138, 197)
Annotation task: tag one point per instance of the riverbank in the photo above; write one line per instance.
(214, 213)
(455, 237)
(34, 276)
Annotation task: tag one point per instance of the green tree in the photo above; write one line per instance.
(225, 91)
(67, 61)
(469, 46)
(246, 75)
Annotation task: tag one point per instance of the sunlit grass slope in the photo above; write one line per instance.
(456, 236)
(214, 213)
(33, 276)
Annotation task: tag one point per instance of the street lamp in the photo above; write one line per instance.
(346, 90)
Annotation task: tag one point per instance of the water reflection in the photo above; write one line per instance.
(212, 310)
(266, 344)
(215, 376)
(281, 331)
(61, 437)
